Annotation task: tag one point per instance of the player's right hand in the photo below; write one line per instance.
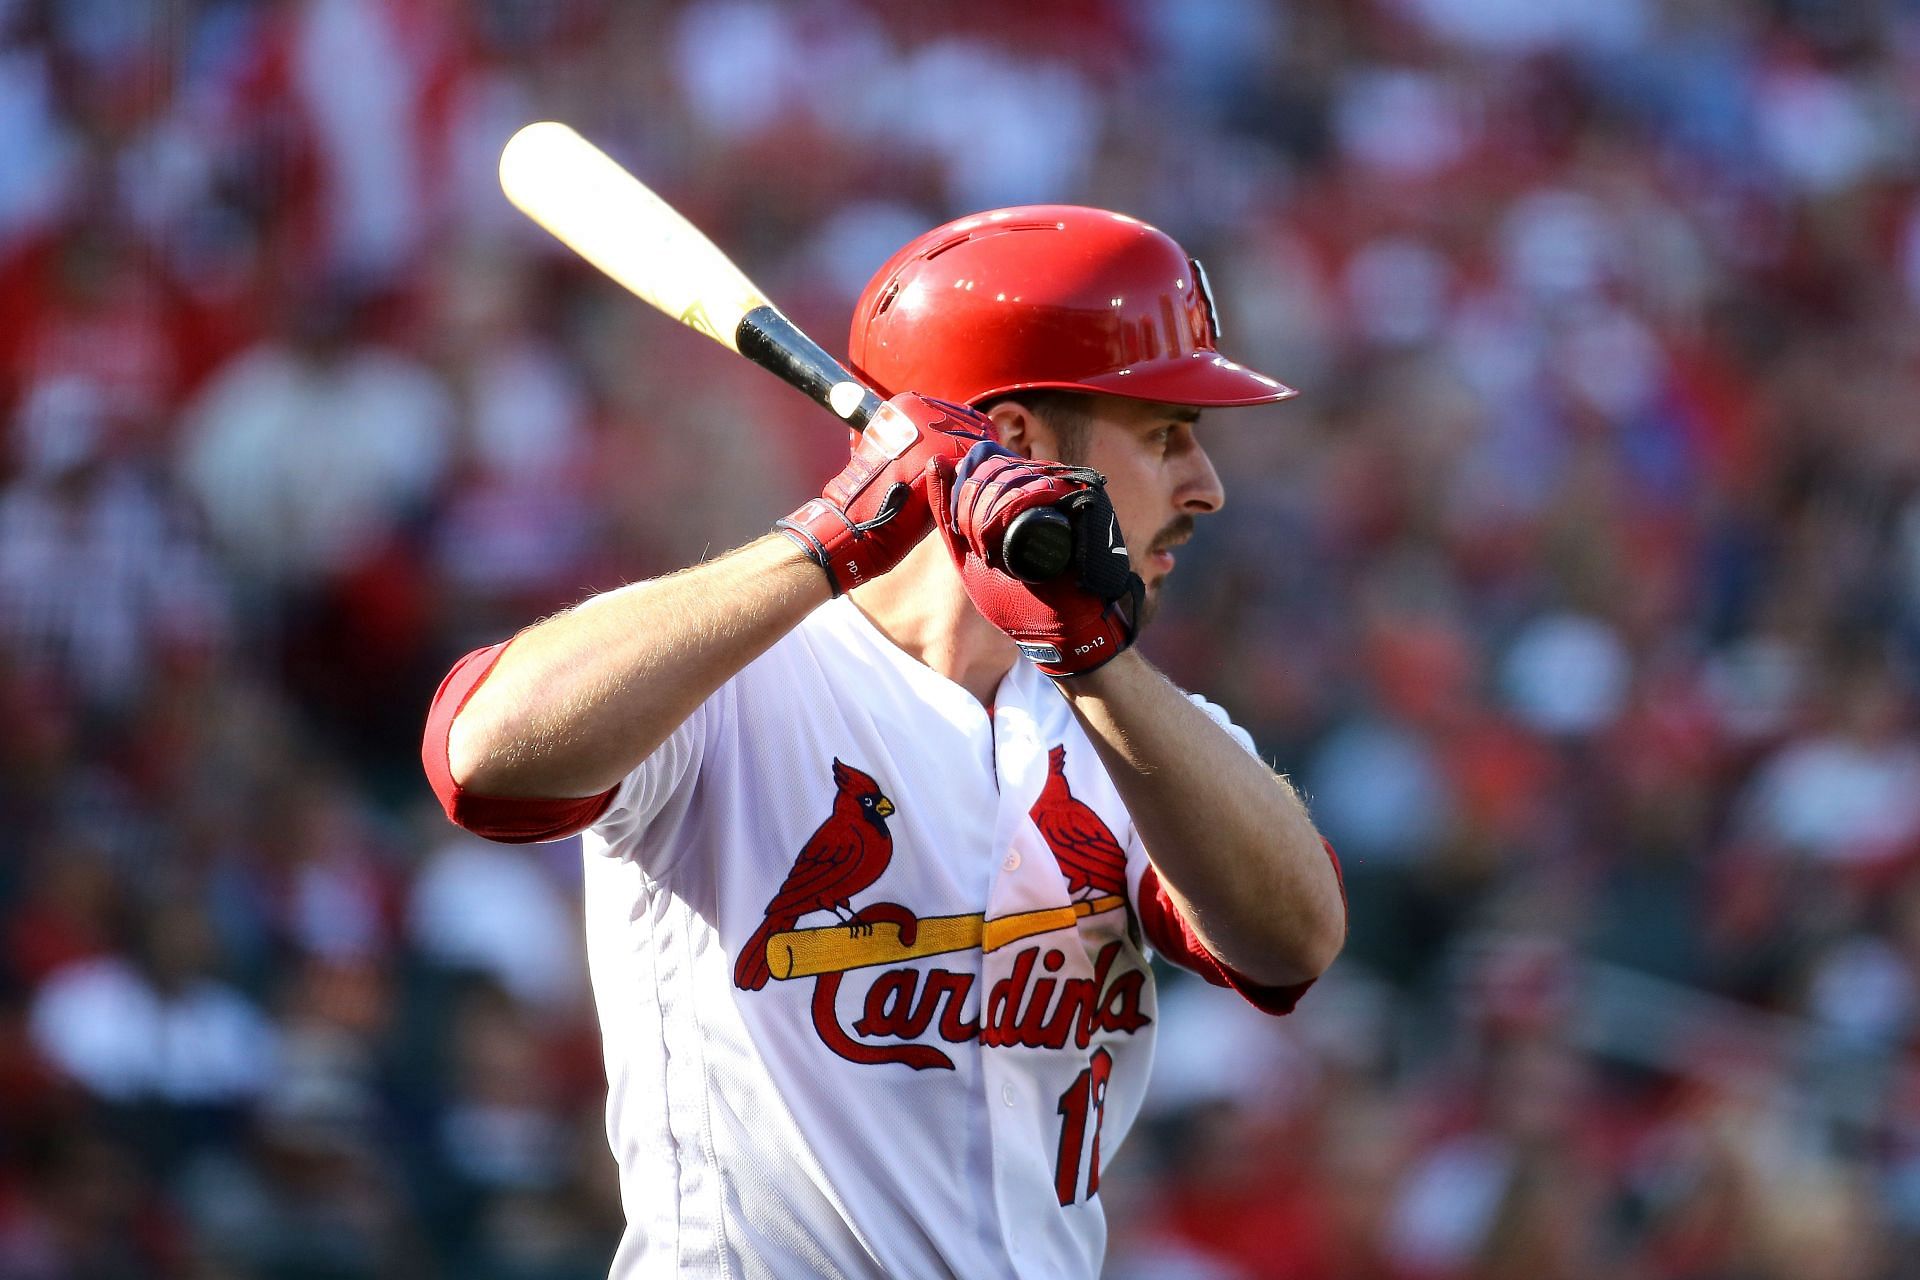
(1068, 625)
(875, 511)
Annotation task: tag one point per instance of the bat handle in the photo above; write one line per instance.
(1038, 545)
(863, 410)
(777, 345)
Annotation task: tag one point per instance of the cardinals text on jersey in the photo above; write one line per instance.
(1029, 1006)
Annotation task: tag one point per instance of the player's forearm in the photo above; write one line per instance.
(1230, 839)
(577, 701)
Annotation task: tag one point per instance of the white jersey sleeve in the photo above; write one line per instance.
(1219, 716)
(663, 779)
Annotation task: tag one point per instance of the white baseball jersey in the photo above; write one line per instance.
(870, 971)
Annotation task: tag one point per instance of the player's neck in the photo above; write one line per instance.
(923, 609)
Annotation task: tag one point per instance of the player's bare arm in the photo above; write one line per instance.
(575, 703)
(1230, 838)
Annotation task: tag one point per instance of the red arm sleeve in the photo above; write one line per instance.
(510, 819)
(1175, 939)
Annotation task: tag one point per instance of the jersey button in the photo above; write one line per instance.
(1013, 861)
(1006, 1094)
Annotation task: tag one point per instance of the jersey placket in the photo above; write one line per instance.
(1023, 880)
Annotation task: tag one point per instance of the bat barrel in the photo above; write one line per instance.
(605, 214)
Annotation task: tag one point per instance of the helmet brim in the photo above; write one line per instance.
(1203, 379)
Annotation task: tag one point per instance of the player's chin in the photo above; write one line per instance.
(1151, 604)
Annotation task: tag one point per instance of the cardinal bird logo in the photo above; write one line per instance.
(1092, 860)
(844, 856)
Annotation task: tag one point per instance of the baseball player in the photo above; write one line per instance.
(877, 833)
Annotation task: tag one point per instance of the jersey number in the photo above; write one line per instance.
(1087, 1094)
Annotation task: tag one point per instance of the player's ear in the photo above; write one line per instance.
(1016, 425)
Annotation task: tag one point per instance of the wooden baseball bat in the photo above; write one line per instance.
(610, 218)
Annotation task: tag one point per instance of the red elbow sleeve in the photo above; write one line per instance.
(510, 819)
(1175, 939)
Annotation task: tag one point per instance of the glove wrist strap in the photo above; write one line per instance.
(1093, 651)
(816, 550)
(849, 551)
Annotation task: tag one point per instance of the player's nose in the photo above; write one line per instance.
(1199, 490)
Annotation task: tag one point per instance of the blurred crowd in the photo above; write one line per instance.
(1580, 590)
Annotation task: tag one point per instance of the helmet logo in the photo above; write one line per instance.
(1206, 298)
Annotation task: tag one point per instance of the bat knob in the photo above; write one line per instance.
(1038, 545)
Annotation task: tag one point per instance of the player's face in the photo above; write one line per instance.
(1158, 476)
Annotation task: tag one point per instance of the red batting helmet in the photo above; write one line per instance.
(1047, 295)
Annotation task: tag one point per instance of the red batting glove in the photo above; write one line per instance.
(1081, 620)
(875, 511)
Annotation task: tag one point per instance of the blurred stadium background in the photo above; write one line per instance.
(1580, 589)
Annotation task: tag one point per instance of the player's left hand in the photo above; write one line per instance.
(1074, 623)
(875, 511)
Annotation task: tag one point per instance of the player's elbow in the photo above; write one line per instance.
(461, 743)
(468, 754)
(1322, 933)
(1300, 952)
(491, 758)
(457, 757)
(469, 791)
(1300, 942)
(1320, 944)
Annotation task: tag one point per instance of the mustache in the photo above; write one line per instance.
(1176, 532)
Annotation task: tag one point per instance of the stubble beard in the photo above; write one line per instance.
(1177, 531)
